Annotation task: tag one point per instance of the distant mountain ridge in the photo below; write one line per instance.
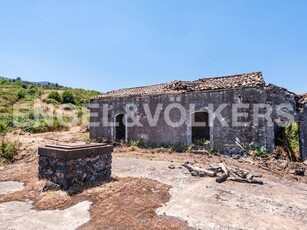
(40, 83)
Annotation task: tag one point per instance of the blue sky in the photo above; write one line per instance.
(110, 44)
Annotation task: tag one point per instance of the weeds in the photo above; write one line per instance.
(262, 152)
(167, 148)
(257, 151)
(136, 143)
(8, 150)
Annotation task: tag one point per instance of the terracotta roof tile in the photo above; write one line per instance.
(205, 84)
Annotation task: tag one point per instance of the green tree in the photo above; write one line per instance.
(68, 97)
(18, 82)
(55, 96)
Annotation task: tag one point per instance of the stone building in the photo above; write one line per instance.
(220, 109)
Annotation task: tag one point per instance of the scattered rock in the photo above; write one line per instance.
(194, 173)
(233, 151)
(21, 133)
(236, 156)
(305, 162)
(298, 172)
(50, 186)
(283, 165)
(1, 168)
(171, 166)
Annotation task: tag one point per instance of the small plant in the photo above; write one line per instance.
(8, 150)
(191, 147)
(256, 151)
(180, 148)
(122, 143)
(136, 143)
(3, 127)
(262, 152)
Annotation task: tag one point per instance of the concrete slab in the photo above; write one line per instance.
(10, 187)
(21, 215)
(205, 204)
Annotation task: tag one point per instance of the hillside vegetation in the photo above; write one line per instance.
(40, 108)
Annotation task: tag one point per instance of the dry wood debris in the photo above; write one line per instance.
(222, 173)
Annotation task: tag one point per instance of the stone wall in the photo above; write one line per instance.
(276, 96)
(303, 133)
(76, 171)
(221, 137)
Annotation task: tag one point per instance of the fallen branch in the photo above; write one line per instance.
(224, 176)
(200, 171)
(241, 175)
(251, 181)
(240, 172)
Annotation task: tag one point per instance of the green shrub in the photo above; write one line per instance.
(292, 135)
(179, 147)
(54, 95)
(42, 125)
(3, 127)
(32, 90)
(19, 83)
(262, 152)
(8, 150)
(68, 97)
(8, 120)
(21, 94)
(288, 138)
(5, 82)
(136, 143)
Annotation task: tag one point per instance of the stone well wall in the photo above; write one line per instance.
(75, 169)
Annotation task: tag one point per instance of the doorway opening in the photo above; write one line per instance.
(200, 127)
(120, 127)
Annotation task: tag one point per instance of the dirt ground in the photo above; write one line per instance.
(145, 193)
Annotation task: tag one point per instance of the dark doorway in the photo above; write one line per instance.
(120, 128)
(200, 131)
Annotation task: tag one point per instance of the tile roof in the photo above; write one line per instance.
(205, 84)
(303, 99)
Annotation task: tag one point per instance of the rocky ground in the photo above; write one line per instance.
(150, 190)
